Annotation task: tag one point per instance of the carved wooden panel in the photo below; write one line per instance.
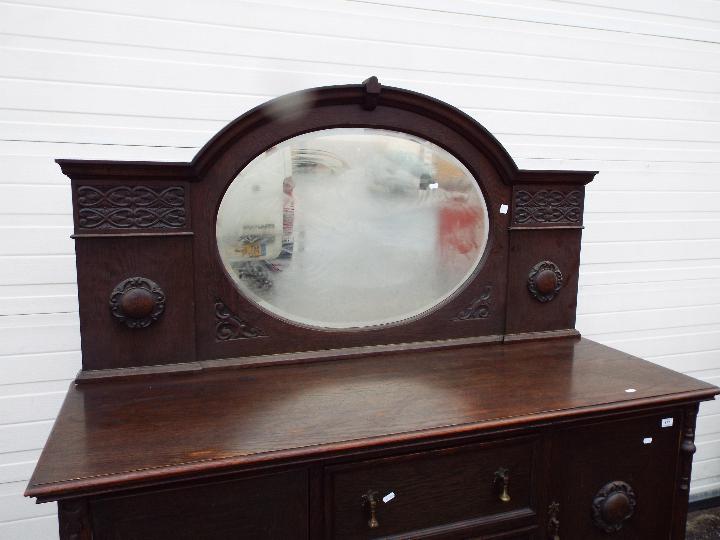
(542, 206)
(479, 308)
(229, 326)
(131, 207)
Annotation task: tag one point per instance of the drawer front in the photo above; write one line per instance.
(424, 491)
(263, 507)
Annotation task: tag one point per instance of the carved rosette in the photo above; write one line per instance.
(137, 302)
(478, 309)
(613, 505)
(545, 281)
(131, 207)
(548, 207)
(229, 326)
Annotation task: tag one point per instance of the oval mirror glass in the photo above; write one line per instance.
(352, 228)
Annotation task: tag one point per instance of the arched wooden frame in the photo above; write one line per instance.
(341, 107)
(225, 324)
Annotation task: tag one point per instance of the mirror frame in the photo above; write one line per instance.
(348, 107)
(155, 222)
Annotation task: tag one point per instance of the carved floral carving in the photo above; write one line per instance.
(229, 326)
(131, 207)
(553, 207)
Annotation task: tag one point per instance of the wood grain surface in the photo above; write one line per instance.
(125, 433)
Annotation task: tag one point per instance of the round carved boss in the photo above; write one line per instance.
(137, 302)
(613, 505)
(545, 281)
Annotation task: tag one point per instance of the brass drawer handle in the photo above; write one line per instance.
(502, 479)
(370, 501)
(553, 526)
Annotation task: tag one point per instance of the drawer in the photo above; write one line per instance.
(261, 507)
(444, 490)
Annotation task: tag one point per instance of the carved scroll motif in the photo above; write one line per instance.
(548, 207)
(229, 326)
(479, 308)
(131, 207)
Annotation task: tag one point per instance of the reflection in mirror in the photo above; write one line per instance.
(352, 227)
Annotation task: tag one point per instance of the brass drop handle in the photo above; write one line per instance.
(502, 479)
(370, 501)
(553, 525)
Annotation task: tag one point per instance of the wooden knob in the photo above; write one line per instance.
(613, 505)
(137, 302)
(544, 281)
(616, 508)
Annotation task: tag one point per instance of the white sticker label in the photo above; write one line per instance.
(630, 390)
(647, 440)
(666, 422)
(434, 185)
(389, 497)
(503, 208)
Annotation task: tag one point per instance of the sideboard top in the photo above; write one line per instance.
(129, 433)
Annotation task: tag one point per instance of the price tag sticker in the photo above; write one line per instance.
(389, 497)
(503, 208)
(666, 422)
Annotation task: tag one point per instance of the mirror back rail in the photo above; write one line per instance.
(155, 296)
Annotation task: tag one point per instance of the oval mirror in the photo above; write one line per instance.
(352, 227)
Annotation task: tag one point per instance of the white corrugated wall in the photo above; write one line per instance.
(626, 87)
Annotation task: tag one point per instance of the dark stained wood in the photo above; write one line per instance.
(528, 248)
(134, 200)
(102, 264)
(273, 507)
(123, 433)
(596, 455)
(684, 469)
(440, 323)
(74, 519)
(487, 416)
(433, 489)
(96, 169)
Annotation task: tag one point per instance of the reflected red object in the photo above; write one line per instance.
(458, 229)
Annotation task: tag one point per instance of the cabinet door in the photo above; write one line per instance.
(606, 471)
(263, 507)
